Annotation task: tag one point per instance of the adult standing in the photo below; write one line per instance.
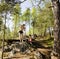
(22, 28)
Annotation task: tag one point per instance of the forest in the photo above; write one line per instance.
(42, 22)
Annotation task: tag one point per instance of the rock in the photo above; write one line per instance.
(28, 51)
(10, 54)
(37, 55)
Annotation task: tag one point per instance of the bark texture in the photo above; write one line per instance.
(56, 13)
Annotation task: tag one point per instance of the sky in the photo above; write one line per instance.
(25, 5)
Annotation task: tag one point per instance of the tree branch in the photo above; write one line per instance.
(22, 1)
(39, 2)
(14, 2)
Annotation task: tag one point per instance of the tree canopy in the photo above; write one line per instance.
(39, 17)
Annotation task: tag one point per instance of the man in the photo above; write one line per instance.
(22, 28)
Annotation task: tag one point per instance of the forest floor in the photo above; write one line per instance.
(31, 55)
(43, 46)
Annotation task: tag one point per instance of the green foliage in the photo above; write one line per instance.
(42, 18)
(33, 11)
(4, 7)
(48, 42)
(16, 17)
(26, 15)
(1, 22)
(16, 9)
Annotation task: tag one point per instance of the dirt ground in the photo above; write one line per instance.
(29, 55)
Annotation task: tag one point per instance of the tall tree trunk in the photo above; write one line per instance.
(4, 37)
(29, 27)
(15, 26)
(56, 12)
